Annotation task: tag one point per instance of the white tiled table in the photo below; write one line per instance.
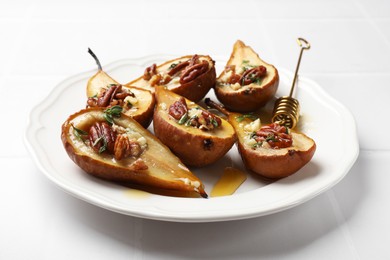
(43, 42)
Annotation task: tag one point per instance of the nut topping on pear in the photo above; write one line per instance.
(103, 91)
(195, 135)
(117, 148)
(271, 150)
(247, 83)
(190, 76)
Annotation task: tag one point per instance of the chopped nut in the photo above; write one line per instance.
(192, 72)
(178, 109)
(124, 147)
(102, 137)
(155, 80)
(253, 75)
(113, 95)
(178, 67)
(150, 71)
(138, 165)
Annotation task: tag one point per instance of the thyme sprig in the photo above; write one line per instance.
(111, 113)
(242, 117)
(79, 133)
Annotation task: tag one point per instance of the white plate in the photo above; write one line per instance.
(329, 123)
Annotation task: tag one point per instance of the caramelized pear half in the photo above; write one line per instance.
(247, 82)
(184, 135)
(136, 102)
(154, 166)
(190, 76)
(267, 161)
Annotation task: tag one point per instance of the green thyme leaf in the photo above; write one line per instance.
(81, 134)
(214, 122)
(248, 66)
(111, 113)
(173, 65)
(257, 81)
(242, 117)
(109, 119)
(253, 135)
(114, 111)
(183, 119)
(258, 144)
(271, 137)
(104, 146)
(188, 123)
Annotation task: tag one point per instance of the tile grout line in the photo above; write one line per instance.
(370, 20)
(265, 33)
(222, 19)
(19, 40)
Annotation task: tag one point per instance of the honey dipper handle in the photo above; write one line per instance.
(305, 45)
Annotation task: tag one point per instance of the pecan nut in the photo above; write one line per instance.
(102, 137)
(178, 109)
(234, 78)
(194, 60)
(150, 72)
(124, 147)
(275, 135)
(177, 67)
(208, 121)
(210, 118)
(192, 72)
(138, 165)
(108, 95)
(253, 75)
(113, 95)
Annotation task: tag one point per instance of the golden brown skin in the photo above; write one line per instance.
(143, 112)
(192, 145)
(253, 96)
(165, 171)
(194, 90)
(268, 162)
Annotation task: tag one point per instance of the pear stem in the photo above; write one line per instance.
(96, 58)
(217, 106)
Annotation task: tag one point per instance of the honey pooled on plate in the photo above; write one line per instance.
(229, 182)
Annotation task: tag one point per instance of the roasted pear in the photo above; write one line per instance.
(195, 135)
(189, 76)
(114, 147)
(270, 150)
(247, 82)
(104, 91)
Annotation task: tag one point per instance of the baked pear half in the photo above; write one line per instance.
(104, 91)
(190, 76)
(271, 150)
(195, 135)
(247, 82)
(110, 146)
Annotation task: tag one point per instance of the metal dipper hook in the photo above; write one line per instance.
(286, 110)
